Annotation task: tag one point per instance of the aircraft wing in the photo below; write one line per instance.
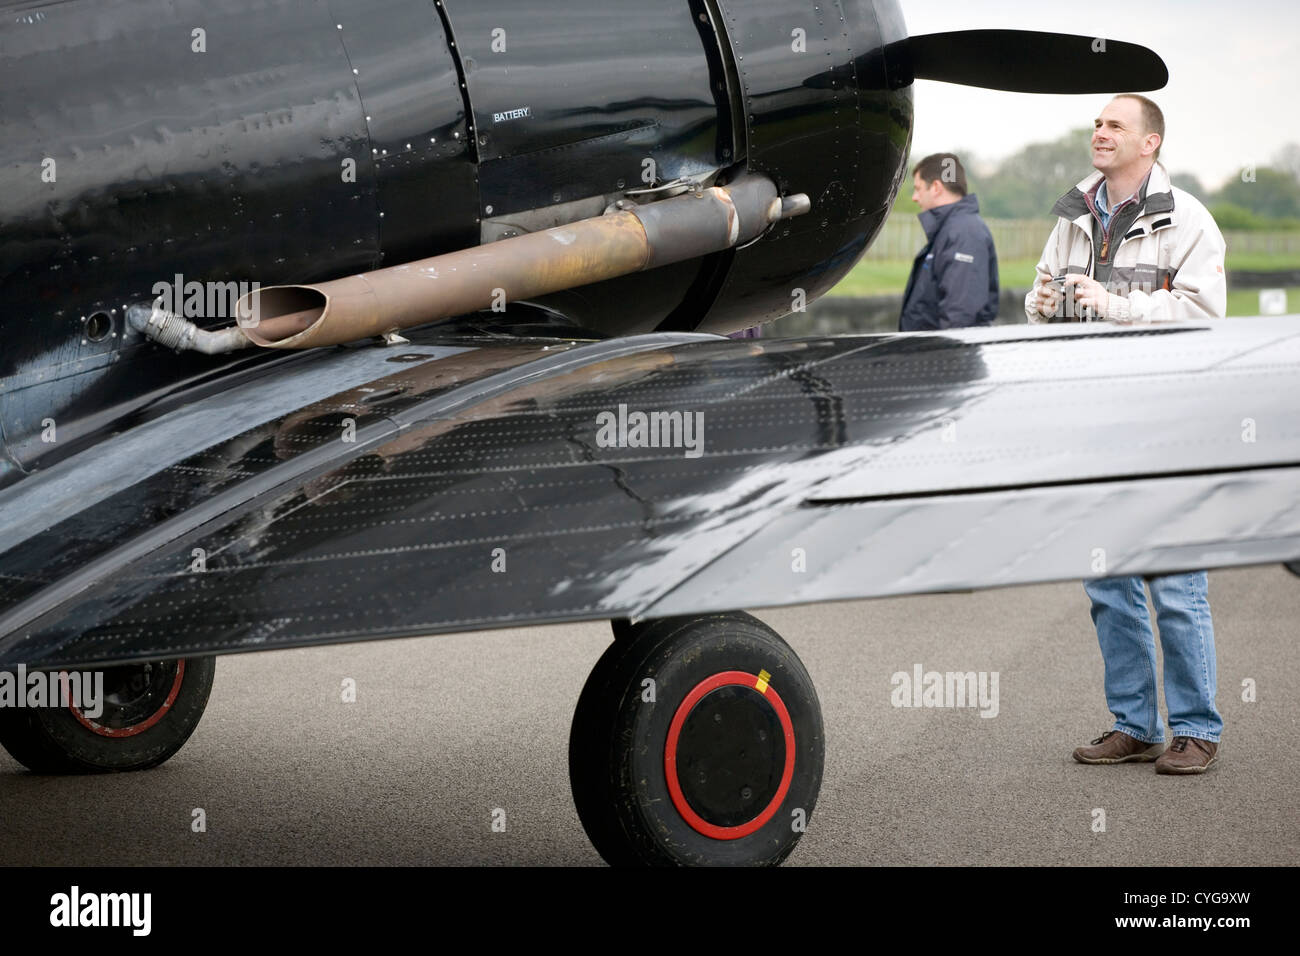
(459, 483)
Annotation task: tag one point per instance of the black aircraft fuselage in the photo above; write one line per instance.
(290, 141)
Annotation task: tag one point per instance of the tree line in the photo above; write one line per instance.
(1027, 184)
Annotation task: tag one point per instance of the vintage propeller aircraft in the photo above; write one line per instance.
(331, 320)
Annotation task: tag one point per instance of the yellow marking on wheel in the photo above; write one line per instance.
(763, 678)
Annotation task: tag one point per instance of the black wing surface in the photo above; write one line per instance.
(456, 484)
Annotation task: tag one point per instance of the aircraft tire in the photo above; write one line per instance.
(696, 741)
(148, 712)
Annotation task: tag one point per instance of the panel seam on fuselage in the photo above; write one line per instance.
(460, 76)
(370, 140)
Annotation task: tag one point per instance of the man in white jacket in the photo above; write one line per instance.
(1132, 248)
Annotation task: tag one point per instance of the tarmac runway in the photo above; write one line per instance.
(446, 730)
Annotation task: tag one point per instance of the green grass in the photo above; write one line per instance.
(873, 278)
(890, 278)
(1246, 301)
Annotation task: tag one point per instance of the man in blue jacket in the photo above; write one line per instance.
(954, 281)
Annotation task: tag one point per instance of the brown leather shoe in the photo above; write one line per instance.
(1115, 746)
(1187, 755)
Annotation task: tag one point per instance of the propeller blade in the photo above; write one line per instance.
(1025, 61)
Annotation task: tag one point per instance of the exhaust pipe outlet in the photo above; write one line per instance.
(627, 239)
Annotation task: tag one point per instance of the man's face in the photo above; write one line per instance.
(926, 195)
(1119, 137)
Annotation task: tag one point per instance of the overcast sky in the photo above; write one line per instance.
(1234, 69)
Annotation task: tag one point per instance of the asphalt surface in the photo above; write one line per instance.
(446, 730)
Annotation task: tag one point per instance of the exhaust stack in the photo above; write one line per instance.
(627, 239)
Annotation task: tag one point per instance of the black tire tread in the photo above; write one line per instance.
(26, 733)
(593, 771)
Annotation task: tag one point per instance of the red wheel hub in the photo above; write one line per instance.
(137, 721)
(728, 740)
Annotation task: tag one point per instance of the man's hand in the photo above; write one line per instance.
(1090, 297)
(1048, 300)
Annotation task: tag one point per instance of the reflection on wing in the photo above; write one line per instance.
(479, 489)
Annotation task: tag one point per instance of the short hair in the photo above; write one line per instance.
(945, 168)
(1153, 119)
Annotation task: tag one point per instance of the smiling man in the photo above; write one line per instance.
(1136, 249)
(1132, 247)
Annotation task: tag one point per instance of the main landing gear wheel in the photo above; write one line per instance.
(148, 712)
(696, 740)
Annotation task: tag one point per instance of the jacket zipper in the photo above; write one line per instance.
(1105, 239)
(1105, 246)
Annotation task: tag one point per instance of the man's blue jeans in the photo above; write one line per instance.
(1128, 647)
